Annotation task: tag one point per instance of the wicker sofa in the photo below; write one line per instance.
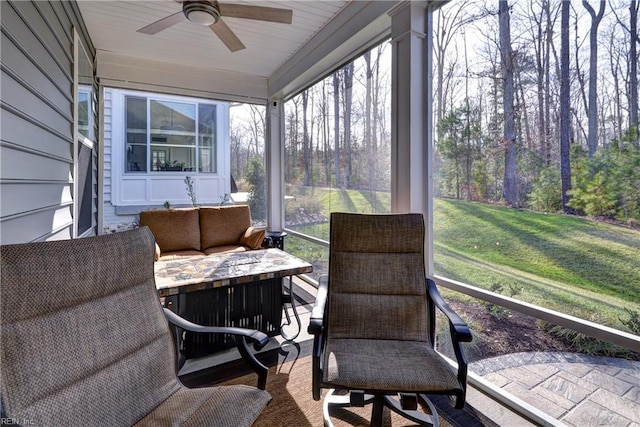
(201, 231)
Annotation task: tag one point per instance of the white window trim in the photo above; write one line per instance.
(156, 188)
(78, 138)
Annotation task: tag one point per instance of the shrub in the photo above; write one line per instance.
(496, 311)
(546, 195)
(633, 322)
(256, 181)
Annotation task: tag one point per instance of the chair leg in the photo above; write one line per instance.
(331, 399)
(417, 416)
(378, 411)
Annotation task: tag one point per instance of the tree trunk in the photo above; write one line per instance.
(468, 157)
(633, 67)
(367, 118)
(305, 140)
(348, 100)
(617, 101)
(376, 109)
(547, 85)
(565, 143)
(592, 141)
(325, 135)
(336, 126)
(509, 188)
(541, 58)
(581, 82)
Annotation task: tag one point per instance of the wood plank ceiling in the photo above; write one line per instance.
(112, 26)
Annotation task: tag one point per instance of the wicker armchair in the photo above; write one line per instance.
(374, 321)
(85, 341)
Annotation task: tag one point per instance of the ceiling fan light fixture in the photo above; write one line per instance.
(201, 12)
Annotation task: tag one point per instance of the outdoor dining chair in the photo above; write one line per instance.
(374, 322)
(85, 341)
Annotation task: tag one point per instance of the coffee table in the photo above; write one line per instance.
(241, 289)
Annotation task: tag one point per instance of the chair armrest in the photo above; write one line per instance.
(317, 313)
(240, 335)
(458, 326)
(459, 333)
(259, 339)
(316, 328)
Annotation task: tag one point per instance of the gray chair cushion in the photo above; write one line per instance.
(224, 406)
(386, 365)
(377, 273)
(84, 338)
(377, 322)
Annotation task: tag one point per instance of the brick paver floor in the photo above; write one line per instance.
(577, 389)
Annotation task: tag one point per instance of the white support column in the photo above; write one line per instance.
(411, 115)
(430, 196)
(408, 108)
(274, 146)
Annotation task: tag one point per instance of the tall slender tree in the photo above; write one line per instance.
(348, 102)
(510, 182)
(336, 127)
(306, 150)
(592, 112)
(565, 133)
(633, 66)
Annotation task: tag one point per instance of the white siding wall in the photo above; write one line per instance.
(37, 141)
(111, 221)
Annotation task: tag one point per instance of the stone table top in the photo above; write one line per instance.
(205, 272)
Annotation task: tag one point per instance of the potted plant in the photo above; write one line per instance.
(172, 166)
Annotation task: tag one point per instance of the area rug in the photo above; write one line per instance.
(289, 383)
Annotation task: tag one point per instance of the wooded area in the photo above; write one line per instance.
(556, 82)
(535, 105)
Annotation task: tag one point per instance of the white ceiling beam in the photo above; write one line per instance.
(360, 24)
(128, 72)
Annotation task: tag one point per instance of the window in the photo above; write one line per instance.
(85, 111)
(248, 173)
(165, 135)
(153, 142)
(337, 152)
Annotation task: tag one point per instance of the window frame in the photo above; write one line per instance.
(155, 146)
(149, 188)
(85, 157)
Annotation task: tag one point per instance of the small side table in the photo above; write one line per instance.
(274, 239)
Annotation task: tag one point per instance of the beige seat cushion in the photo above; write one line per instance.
(387, 365)
(173, 229)
(221, 226)
(224, 406)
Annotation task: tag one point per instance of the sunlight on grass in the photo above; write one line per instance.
(573, 265)
(569, 264)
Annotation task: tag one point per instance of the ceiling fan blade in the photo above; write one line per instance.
(260, 13)
(162, 24)
(227, 36)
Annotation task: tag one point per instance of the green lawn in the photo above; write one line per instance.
(570, 264)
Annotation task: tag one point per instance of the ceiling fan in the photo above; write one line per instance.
(209, 13)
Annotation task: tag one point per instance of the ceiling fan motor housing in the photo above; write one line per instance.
(201, 12)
